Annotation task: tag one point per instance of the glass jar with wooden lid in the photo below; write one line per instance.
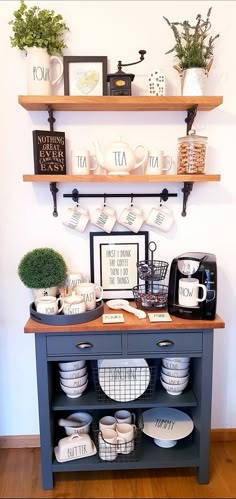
(191, 154)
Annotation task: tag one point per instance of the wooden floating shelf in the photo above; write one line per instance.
(120, 103)
(122, 178)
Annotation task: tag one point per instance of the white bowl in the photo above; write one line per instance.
(71, 366)
(175, 373)
(73, 374)
(73, 392)
(174, 381)
(74, 382)
(84, 423)
(175, 365)
(174, 389)
(178, 359)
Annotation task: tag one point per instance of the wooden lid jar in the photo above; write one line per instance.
(191, 154)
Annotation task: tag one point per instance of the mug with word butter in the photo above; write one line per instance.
(81, 162)
(188, 292)
(132, 218)
(76, 218)
(158, 163)
(104, 218)
(160, 217)
(48, 305)
(91, 293)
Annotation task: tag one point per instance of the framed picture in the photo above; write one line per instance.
(113, 259)
(84, 75)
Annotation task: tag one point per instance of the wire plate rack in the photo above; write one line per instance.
(124, 384)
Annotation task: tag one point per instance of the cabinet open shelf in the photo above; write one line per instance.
(122, 178)
(118, 103)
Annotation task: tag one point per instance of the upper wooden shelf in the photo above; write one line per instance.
(122, 178)
(121, 103)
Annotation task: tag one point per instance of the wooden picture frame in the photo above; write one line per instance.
(85, 75)
(113, 259)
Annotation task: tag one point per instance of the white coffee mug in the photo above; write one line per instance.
(124, 416)
(39, 81)
(188, 292)
(107, 443)
(74, 305)
(104, 218)
(158, 163)
(126, 432)
(81, 163)
(76, 218)
(48, 305)
(73, 279)
(160, 217)
(132, 218)
(107, 422)
(91, 293)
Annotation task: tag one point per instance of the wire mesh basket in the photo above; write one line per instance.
(124, 384)
(121, 450)
(152, 269)
(150, 296)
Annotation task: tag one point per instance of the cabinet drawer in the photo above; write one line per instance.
(84, 344)
(167, 343)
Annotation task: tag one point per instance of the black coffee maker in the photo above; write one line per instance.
(201, 266)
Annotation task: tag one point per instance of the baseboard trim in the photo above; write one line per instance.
(24, 441)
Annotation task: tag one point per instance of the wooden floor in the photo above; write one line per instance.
(20, 477)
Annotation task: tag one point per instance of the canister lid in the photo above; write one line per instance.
(193, 137)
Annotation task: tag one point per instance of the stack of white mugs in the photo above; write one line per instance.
(175, 374)
(116, 435)
(73, 378)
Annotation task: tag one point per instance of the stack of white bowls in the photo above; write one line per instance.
(73, 378)
(175, 374)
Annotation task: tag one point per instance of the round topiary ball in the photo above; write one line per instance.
(42, 268)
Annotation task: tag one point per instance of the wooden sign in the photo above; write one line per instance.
(49, 152)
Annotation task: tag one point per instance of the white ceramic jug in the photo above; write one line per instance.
(39, 80)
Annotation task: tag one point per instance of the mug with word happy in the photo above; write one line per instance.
(81, 162)
(160, 217)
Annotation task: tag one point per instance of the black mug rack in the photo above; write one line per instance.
(164, 195)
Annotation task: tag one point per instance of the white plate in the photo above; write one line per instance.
(123, 379)
(166, 423)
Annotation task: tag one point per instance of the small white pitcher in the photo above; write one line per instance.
(39, 80)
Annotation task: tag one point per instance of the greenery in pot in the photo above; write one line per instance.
(42, 268)
(35, 27)
(193, 47)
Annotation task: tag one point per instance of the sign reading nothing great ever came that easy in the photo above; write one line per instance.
(49, 152)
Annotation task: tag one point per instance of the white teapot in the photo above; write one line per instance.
(119, 158)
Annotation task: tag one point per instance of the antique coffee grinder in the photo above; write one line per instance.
(120, 82)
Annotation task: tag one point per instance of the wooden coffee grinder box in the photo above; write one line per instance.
(49, 152)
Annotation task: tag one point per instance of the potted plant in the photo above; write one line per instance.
(42, 270)
(194, 52)
(40, 33)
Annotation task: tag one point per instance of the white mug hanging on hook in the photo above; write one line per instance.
(39, 65)
(160, 217)
(76, 218)
(132, 217)
(104, 218)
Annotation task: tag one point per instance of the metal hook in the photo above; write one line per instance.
(75, 196)
(131, 200)
(104, 200)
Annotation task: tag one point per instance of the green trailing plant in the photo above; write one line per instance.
(42, 268)
(193, 47)
(35, 27)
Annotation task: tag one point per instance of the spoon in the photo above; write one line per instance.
(124, 305)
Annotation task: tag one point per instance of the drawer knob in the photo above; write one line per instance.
(84, 345)
(165, 343)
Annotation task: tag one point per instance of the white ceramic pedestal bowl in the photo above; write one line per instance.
(73, 392)
(74, 382)
(73, 374)
(71, 366)
(174, 389)
(170, 380)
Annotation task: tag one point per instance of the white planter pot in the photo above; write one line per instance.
(38, 64)
(38, 293)
(193, 81)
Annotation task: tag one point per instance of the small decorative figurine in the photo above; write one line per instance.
(120, 82)
(156, 83)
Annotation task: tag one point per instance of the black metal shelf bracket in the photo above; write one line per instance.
(51, 118)
(54, 191)
(188, 187)
(191, 115)
(164, 195)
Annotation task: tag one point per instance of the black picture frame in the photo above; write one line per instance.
(84, 86)
(115, 268)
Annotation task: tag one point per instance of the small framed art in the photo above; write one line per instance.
(85, 75)
(113, 261)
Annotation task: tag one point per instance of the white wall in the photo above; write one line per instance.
(119, 30)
